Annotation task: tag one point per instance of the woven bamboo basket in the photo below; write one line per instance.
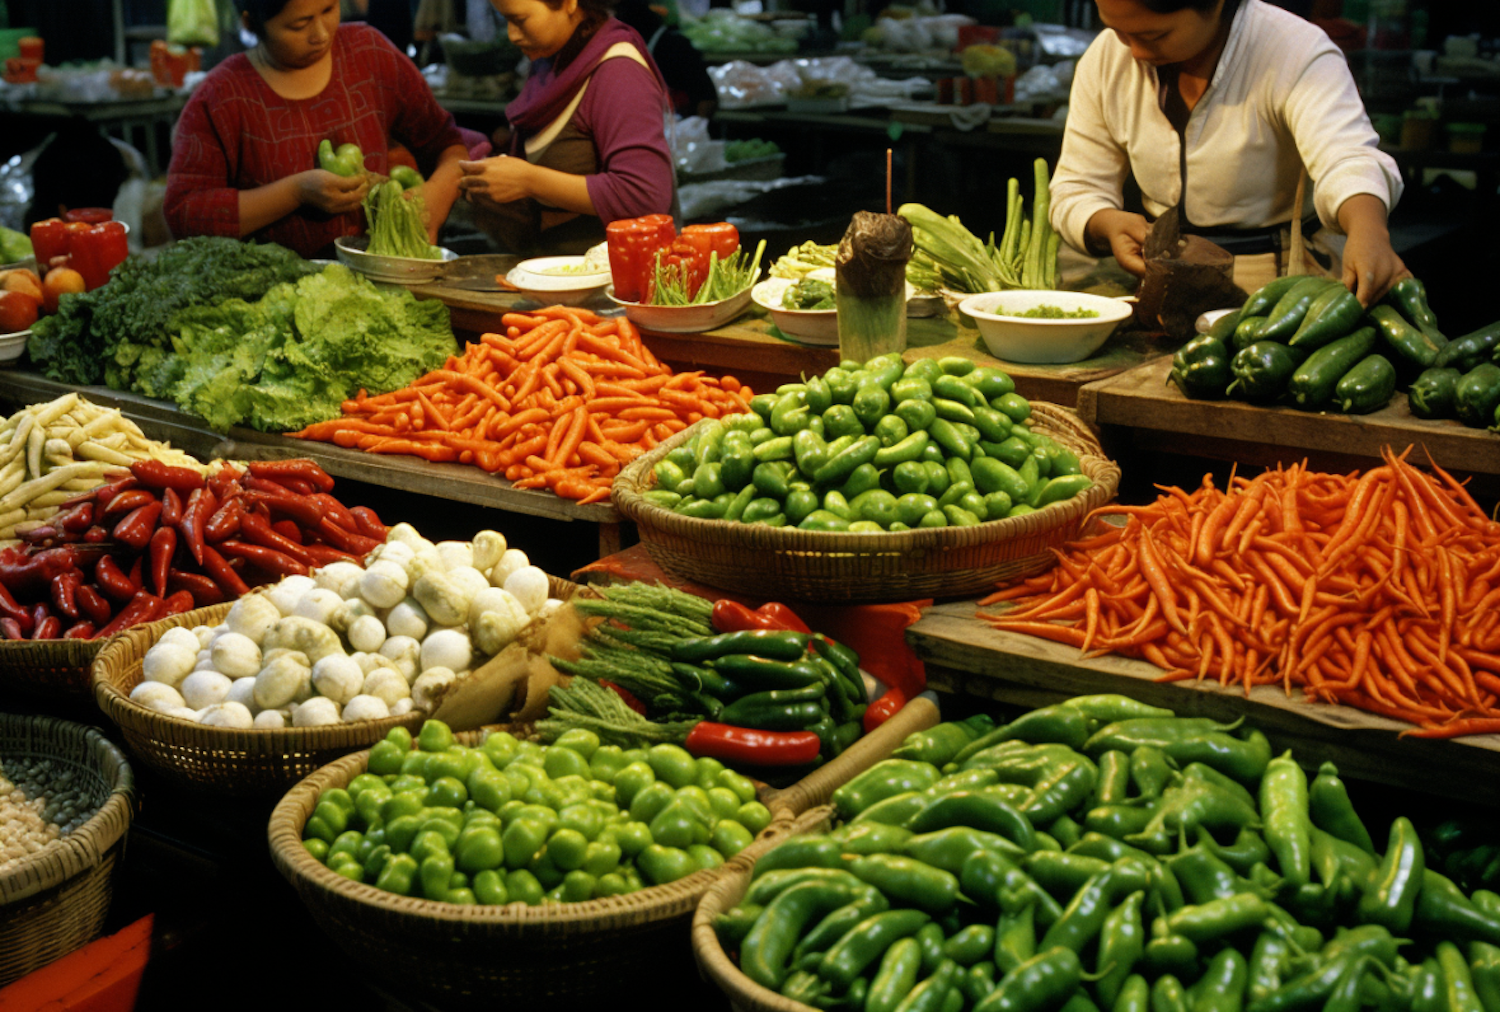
(56, 901)
(833, 566)
(818, 786)
(223, 761)
(558, 955)
(49, 671)
(713, 962)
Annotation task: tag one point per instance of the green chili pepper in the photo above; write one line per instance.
(1045, 981)
(1151, 771)
(1171, 954)
(1444, 910)
(768, 944)
(1284, 810)
(811, 947)
(1263, 973)
(970, 945)
(1218, 917)
(1135, 996)
(1122, 941)
(1118, 821)
(1222, 988)
(1106, 847)
(1113, 785)
(897, 975)
(885, 779)
(978, 809)
(950, 848)
(1333, 812)
(861, 945)
(1084, 915)
(907, 880)
(932, 994)
(1168, 995)
(1390, 897)
(1248, 849)
(994, 881)
(1015, 937)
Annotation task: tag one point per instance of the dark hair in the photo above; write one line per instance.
(258, 12)
(595, 13)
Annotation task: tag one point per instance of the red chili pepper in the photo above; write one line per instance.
(223, 574)
(300, 468)
(177, 604)
(125, 502)
(119, 482)
(92, 604)
(155, 474)
(731, 616)
(347, 540)
(95, 534)
(883, 709)
(288, 530)
(783, 616)
(305, 510)
(137, 572)
(226, 521)
(299, 486)
(163, 547)
(65, 591)
(337, 510)
(143, 607)
(171, 507)
(204, 591)
(268, 560)
(136, 529)
(49, 628)
(11, 629)
(752, 746)
(82, 630)
(625, 695)
(194, 516)
(323, 555)
(31, 575)
(272, 486)
(10, 609)
(112, 580)
(225, 481)
(79, 519)
(257, 530)
(369, 524)
(44, 537)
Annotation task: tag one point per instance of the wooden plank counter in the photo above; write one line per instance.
(964, 654)
(1159, 417)
(459, 482)
(757, 353)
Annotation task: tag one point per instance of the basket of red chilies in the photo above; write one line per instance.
(158, 540)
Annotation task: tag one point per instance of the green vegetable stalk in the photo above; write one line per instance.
(397, 223)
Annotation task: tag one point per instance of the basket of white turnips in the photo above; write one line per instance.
(249, 697)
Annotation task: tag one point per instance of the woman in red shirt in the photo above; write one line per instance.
(244, 152)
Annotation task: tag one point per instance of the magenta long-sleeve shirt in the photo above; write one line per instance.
(622, 112)
(237, 134)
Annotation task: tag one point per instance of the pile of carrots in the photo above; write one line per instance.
(562, 400)
(1379, 591)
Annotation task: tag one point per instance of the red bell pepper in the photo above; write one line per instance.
(97, 250)
(687, 262)
(731, 616)
(632, 245)
(89, 215)
(49, 238)
(721, 238)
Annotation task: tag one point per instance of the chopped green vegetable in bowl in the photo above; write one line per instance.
(1049, 312)
(808, 294)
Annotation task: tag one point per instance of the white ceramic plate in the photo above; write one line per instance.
(535, 280)
(398, 270)
(1038, 339)
(683, 319)
(814, 326)
(13, 345)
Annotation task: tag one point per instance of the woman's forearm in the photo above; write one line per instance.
(441, 188)
(562, 190)
(1364, 215)
(268, 204)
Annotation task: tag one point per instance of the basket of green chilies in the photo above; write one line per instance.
(1099, 853)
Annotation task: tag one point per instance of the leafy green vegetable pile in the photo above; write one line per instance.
(78, 343)
(241, 334)
(809, 293)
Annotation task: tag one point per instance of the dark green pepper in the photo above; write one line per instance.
(897, 975)
(1430, 395)
(908, 881)
(1044, 982)
(1262, 370)
(864, 943)
(1290, 310)
(1122, 941)
(1204, 379)
(1409, 295)
(1464, 353)
(1367, 387)
(1334, 313)
(1284, 810)
(769, 943)
(1390, 897)
(1312, 386)
(1332, 811)
(1477, 394)
(1264, 299)
(1410, 344)
(885, 779)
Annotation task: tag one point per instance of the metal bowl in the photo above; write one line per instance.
(1039, 339)
(397, 270)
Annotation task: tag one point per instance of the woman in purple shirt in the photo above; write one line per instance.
(587, 145)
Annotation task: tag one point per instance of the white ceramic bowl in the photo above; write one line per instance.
(397, 270)
(1040, 340)
(683, 319)
(547, 279)
(12, 345)
(815, 326)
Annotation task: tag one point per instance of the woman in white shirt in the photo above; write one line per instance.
(1215, 106)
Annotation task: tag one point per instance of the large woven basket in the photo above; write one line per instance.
(49, 671)
(57, 900)
(784, 562)
(713, 962)
(818, 786)
(220, 760)
(558, 955)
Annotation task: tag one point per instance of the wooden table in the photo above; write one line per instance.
(162, 420)
(964, 654)
(1141, 406)
(757, 353)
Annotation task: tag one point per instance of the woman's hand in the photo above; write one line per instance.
(330, 192)
(1371, 265)
(1125, 235)
(498, 180)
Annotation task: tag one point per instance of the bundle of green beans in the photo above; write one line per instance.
(1105, 854)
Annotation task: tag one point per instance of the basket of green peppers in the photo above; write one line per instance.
(1096, 854)
(880, 481)
(1309, 343)
(486, 867)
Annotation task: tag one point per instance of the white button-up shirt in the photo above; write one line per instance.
(1281, 95)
